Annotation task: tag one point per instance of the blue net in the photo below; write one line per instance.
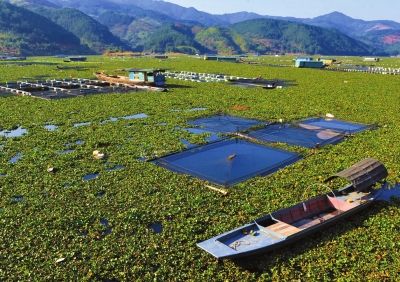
(298, 136)
(334, 124)
(228, 162)
(225, 123)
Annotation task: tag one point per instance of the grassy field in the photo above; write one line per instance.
(55, 226)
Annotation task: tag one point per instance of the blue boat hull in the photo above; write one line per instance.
(253, 238)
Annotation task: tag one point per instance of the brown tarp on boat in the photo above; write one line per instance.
(364, 174)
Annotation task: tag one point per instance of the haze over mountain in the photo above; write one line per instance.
(158, 26)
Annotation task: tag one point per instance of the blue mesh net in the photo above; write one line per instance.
(228, 162)
(334, 124)
(293, 135)
(225, 123)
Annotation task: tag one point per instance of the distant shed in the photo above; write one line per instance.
(150, 76)
(370, 59)
(161, 56)
(232, 59)
(307, 63)
(75, 59)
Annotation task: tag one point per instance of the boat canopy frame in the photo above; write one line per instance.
(364, 174)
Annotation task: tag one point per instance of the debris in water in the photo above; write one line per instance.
(98, 156)
(231, 157)
(60, 260)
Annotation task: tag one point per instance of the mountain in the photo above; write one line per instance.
(268, 35)
(381, 34)
(92, 34)
(350, 26)
(221, 40)
(149, 34)
(159, 26)
(174, 11)
(27, 33)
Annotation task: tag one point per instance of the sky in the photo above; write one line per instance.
(361, 9)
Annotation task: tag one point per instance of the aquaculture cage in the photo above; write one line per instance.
(298, 136)
(344, 127)
(228, 162)
(225, 123)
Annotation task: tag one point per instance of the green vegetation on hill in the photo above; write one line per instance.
(115, 24)
(266, 35)
(173, 38)
(221, 40)
(28, 33)
(92, 34)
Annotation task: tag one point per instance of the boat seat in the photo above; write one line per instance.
(283, 229)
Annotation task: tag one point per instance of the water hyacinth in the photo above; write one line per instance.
(39, 230)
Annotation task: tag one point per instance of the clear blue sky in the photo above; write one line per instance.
(362, 9)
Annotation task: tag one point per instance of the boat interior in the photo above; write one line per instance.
(287, 222)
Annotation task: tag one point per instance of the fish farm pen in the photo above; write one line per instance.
(234, 80)
(59, 89)
(199, 77)
(366, 69)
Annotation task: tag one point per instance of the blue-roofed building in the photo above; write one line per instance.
(148, 76)
(308, 62)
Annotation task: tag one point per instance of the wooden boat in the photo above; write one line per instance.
(285, 226)
(124, 80)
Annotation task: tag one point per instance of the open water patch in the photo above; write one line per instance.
(388, 193)
(156, 227)
(90, 176)
(100, 194)
(199, 109)
(66, 152)
(225, 123)
(51, 127)
(16, 158)
(106, 225)
(13, 133)
(197, 131)
(187, 144)
(135, 116)
(17, 199)
(81, 124)
(114, 168)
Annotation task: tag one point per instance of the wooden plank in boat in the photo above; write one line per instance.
(283, 228)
